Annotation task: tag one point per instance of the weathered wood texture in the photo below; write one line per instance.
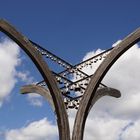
(24, 43)
(90, 93)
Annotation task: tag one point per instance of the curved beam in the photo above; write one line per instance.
(37, 59)
(106, 91)
(90, 93)
(40, 90)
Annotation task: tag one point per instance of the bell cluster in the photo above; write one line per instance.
(71, 104)
(64, 80)
(53, 58)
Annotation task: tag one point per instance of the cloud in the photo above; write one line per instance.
(38, 130)
(132, 132)
(25, 77)
(9, 60)
(104, 128)
(116, 43)
(35, 99)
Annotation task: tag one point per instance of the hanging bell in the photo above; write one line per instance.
(86, 82)
(43, 53)
(95, 60)
(72, 87)
(100, 58)
(67, 91)
(65, 101)
(71, 105)
(47, 56)
(76, 107)
(59, 80)
(77, 88)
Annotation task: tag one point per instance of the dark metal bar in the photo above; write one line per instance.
(87, 60)
(58, 58)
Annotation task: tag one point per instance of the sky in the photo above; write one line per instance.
(74, 30)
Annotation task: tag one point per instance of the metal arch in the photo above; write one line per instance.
(90, 93)
(39, 90)
(23, 42)
(106, 91)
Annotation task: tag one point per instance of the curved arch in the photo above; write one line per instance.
(106, 91)
(90, 93)
(40, 90)
(37, 59)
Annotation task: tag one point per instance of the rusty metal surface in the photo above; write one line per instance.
(25, 44)
(90, 93)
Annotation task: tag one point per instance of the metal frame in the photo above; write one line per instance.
(91, 94)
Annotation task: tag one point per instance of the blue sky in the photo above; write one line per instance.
(69, 29)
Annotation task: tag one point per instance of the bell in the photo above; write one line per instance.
(63, 65)
(77, 88)
(86, 82)
(50, 57)
(59, 62)
(71, 105)
(76, 107)
(47, 56)
(65, 100)
(95, 60)
(65, 82)
(59, 80)
(100, 58)
(72, 87)
(67, 91)
(43, 53)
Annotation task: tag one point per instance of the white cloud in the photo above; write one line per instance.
(116, 43)
(91, 69)
(9, 59)
(38, 130)
(35, 99)
(25, 76)
(110, 116)
(132, 132)
(104, 128)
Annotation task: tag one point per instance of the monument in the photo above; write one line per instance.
(71, 88)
